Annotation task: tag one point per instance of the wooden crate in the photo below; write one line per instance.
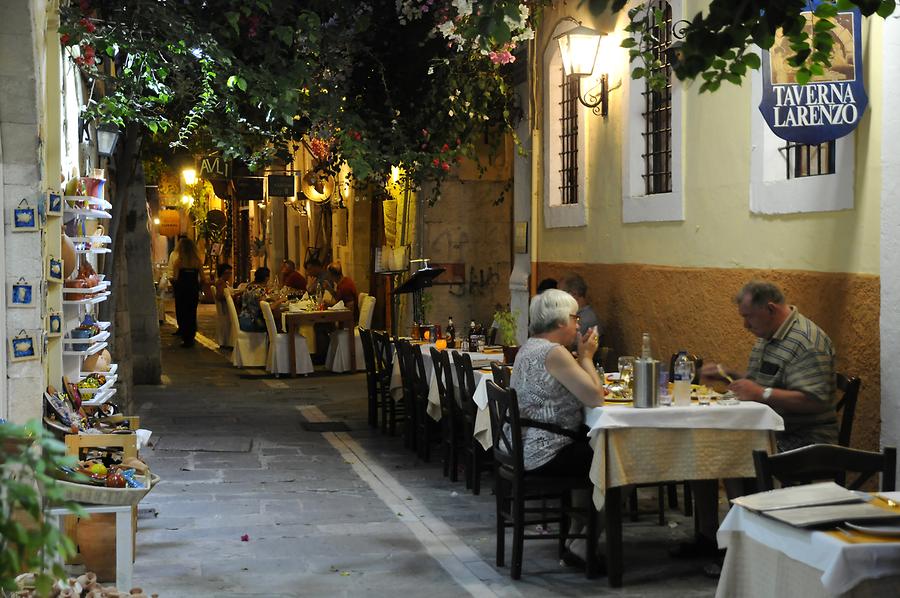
(77, 445)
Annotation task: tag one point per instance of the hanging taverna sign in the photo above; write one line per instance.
(830, 105)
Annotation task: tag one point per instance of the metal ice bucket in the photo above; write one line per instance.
(646, 383)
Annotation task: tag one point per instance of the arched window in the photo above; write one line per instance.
(652, 178)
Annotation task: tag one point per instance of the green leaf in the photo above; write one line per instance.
(232, 80)
(803, 76)
(629, 42)
(752, 60)
(886, 8)
(234, 20)
(825, 10)
(284, 34)
(637, 73)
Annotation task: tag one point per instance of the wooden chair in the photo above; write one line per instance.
(501, 374)
(384, 361)
(818, 462)
(477, 460)
(846, 406)
(368, 351)
(408, 375)
(514, 485)
(423, 423)
(451, 413)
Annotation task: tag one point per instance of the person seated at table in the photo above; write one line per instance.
(791, 367)
(224, 280)
(291, 278)
(251, 317)
(547, 283)
(553, 387)
(575, 286)
(791, 370)
(316, 281)
(344, 288)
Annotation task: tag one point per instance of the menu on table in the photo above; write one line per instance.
(815, 504)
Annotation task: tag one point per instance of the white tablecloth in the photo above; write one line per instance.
(840, 567)
(434, 399)
(744, 416)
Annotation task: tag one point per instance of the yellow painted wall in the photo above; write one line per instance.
(719, 230)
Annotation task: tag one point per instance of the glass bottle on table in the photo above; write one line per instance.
(645, 346)
(682, 376)
(450, 333)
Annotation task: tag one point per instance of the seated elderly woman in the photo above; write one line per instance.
(250, 317)
(553, 386)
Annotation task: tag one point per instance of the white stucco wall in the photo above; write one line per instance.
(890, 237)
(19, 178)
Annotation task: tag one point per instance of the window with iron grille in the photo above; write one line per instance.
(802, 160)
(568, 137)
(657, 113)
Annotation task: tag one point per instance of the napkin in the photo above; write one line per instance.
(338, 305)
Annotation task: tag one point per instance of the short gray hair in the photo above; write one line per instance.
(761, 293)
(574, 284)
(550, 309)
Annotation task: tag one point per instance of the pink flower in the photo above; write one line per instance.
(64, 39)
(445, 166)
(502, 57)
(436, 162)
(88, 25)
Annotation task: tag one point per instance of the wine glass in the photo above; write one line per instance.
(626, 371)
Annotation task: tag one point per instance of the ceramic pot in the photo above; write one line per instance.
(70, 258)
(96, 537)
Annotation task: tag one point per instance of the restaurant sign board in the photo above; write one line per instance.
(281, 185)
(215, 167)
(830, 105)
(248, 188)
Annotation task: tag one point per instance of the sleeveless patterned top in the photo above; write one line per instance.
(543, 398)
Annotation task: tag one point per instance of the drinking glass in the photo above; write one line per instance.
(626, 370)
(665, 399)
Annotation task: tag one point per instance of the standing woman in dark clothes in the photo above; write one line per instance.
(186, 271)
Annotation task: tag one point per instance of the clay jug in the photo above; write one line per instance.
(96, 536)
(70, 258)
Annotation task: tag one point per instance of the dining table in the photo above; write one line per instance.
(292, 320)
(769, 558)
(659, 445)
(481, 370)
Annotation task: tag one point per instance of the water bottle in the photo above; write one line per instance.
(682, 376)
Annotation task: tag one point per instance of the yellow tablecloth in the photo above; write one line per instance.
(625, 456)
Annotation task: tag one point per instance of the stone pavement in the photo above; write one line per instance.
(256, 502)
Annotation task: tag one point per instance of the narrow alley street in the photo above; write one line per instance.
(259, 498)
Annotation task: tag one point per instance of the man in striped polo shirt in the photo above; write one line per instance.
(791, 367)
(792, 370)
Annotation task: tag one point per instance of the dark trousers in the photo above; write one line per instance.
(187, 296)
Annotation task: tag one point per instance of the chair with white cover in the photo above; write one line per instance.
(338, 358)
(223, 324)
(249, 347)
(279, 358)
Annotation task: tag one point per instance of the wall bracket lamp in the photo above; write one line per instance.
(107, 138)
(578, 48)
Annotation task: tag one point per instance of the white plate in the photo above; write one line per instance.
(879, 530)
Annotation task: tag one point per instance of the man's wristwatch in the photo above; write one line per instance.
(767, 394)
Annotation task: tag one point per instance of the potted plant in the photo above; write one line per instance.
(505, 321)
(30, 541)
